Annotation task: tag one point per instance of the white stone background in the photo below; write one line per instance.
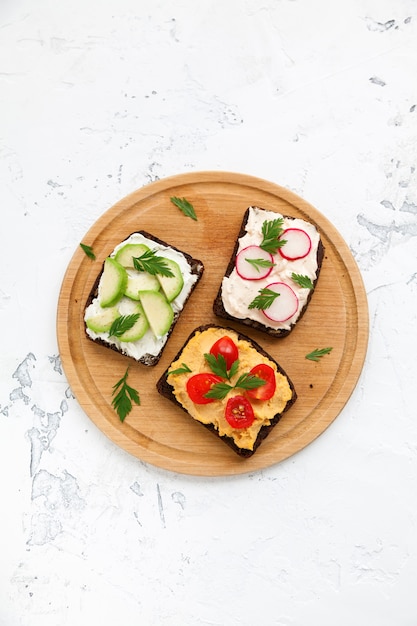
(100, 97)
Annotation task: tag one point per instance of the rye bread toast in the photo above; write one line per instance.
(167, 390)
(151, 356)
(247, 317)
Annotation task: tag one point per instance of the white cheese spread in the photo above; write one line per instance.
(238, 293)
(148, 344)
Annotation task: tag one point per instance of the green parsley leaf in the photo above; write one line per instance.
(264, 300)
(258, 263)
(316, 355)
(218, 365)
(184, 206)
(88, 250)
(218, 391)
(123, 323)
(234, 368)
(124, 395)
(246, 381)
(149, 262)
(181, 370)
(303, 281)
(249, 381)
(271, 231)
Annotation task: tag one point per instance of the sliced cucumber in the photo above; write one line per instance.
(158, 311)
(139, 328)
(140, 281)
(171, 285)
(125, 255)
(113, 283)
(102, 320)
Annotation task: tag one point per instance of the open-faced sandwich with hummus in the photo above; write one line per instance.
(272, 272)
(139, 295)
(229, 384)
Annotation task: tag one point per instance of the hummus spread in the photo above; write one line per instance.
(214, 412)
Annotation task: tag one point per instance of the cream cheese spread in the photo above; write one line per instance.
(238, 293)
(149, 343)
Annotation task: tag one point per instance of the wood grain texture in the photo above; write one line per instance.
(158, 432)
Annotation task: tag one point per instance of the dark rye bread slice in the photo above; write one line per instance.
(220, 311)
(166, 390)
(196, 267)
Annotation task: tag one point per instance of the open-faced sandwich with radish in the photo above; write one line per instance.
(139, 295)
(272, 272)
(225, 381)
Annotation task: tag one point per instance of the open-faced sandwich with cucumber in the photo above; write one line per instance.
(272, 272)
(139, 295)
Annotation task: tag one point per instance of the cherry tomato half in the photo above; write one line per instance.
(239, 412)
(227, 348)
(264, 392)
(199, 384)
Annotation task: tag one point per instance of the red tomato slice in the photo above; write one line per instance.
(227, 348)
(239, 412)
(199, 384)
(264, 392)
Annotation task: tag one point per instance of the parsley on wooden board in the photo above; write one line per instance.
(124, 395)
(186, 207)
(316, 355)
(149, 262)
(88, 251)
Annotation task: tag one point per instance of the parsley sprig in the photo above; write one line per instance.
(264, 300)
(302, 280)
(184, 369)
(124, 395)
(220, 390)
(149, 262)
(316, 355)
(123, 323)
(218, 365)
(245, 381)
(260, 263)
(271, 231)
(186, 207)
(88, 251)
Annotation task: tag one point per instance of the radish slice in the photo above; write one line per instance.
(253, 263)
(283, 307)
(297, 246)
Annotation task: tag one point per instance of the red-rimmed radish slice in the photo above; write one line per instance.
(297, 244)
(284, 306)
(253, 263)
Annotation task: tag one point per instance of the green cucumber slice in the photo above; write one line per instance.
(125, 255)
(102, 321)
(171, 285)
(112, 284)
(139, 328)
(158, 311)
(140, 281)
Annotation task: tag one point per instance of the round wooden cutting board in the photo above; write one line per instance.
(157, 431)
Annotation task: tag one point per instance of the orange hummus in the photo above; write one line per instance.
(214, 412)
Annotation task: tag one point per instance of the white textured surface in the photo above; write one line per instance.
(99, 97)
